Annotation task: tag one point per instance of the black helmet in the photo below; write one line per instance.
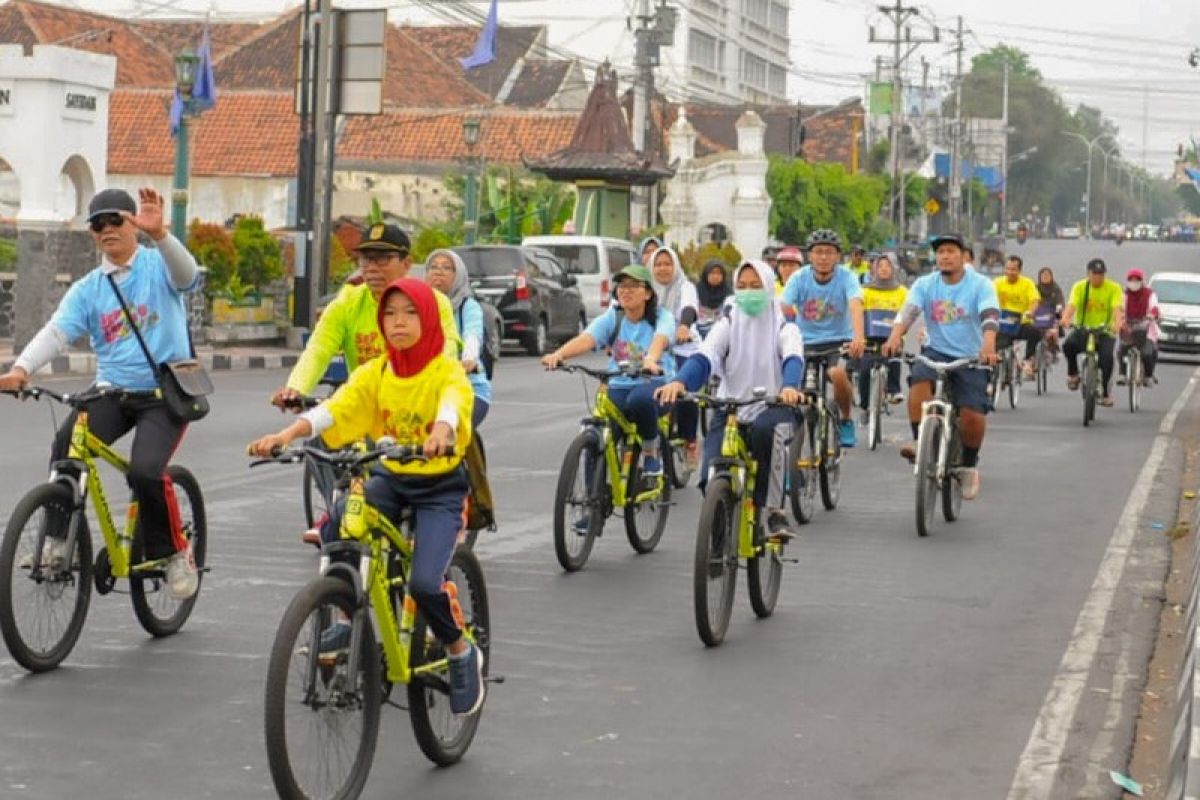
(825, 236)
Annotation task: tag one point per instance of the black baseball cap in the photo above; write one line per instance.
(948, 238)
(1097, 265)
(111, 201)
(385, 237)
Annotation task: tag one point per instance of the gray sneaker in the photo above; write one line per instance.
(467, 688)
(182, 579)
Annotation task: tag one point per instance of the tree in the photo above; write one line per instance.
(214, 250)
(259, 260)
(693, 258)
(341, 263)
(433, 237)
(807, 196)
(540, 204)
(8, 254)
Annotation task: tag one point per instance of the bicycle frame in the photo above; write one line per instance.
(939, 405)
(605, 415)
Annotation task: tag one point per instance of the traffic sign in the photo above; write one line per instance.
(932, 206)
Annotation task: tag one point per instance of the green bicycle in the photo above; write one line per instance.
(730, 530)
(322, 710)
(600, 472)
(1089, 375)
(46, 567)
(816, 456)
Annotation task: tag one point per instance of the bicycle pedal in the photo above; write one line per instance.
(493, 679)
(789, 559)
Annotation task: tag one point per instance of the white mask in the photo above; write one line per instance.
(1134, 286)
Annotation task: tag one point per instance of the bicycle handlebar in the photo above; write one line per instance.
(384, 450)
(944, 367)
(303, 402)
(729, 402)
(79, 399)
(628, 371)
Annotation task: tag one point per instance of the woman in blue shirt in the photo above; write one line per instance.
(446, 272)
(638, 332)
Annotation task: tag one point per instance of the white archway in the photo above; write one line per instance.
(75, 188)
(10, 191)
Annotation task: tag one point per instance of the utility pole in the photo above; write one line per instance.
(900, 16)
(324, 120)
(302, 308)
(654, 29)
(955, 141)
(1004, 159)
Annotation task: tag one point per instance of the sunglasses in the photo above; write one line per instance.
(102, 221)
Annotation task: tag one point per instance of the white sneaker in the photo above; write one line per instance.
(54, 554)
(969, 477)
(182, 578)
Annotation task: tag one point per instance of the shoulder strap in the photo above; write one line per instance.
(616, 331)
(1087, 286)
(136, 331)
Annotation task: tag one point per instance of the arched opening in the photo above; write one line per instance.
(75, 188)
(10, 191)
(715, 232)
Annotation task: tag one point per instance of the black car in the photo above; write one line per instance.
(537, 299)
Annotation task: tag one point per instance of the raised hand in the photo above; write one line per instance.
(149, 218)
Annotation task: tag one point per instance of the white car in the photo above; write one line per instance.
(1179, 309)
(593, 260)
(1069, 232)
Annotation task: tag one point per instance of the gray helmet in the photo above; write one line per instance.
(824, 236)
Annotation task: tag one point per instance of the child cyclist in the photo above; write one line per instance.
(752, 346)
(418, 397)
(883, 297)
(638, 332)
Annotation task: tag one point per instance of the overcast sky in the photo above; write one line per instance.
(1128, 58)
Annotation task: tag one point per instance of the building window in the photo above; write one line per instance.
(754, 71)
(703, 50)
(779, 18)
(777, 80)
(757, 11)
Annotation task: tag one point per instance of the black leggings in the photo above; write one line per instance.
(154, 442)
(1076, 343)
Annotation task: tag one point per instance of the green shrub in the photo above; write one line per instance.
(213, 248)
(259, 257)
(8, 255)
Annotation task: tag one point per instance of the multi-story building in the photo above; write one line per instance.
(730, 51)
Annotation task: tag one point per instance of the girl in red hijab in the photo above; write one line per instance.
(418, 396)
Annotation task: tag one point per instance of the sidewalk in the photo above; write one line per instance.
(241, 357)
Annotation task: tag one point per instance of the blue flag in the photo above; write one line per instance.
(485, 46)
(176, 113)
(204, 94)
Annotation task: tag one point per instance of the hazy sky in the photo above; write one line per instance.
(1128, 58)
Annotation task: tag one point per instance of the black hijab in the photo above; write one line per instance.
(713, 297)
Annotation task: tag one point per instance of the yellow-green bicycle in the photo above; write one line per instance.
(322, 709)
(729, 530)
(46, 568)
(600, 472)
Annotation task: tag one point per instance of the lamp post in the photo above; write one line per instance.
(185, 81)
(1104, 204)
(1091, 143)
(470, 128)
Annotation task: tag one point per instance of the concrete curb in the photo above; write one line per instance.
(85, 363)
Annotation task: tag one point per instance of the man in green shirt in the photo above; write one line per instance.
(349, 325)
(1099, 304)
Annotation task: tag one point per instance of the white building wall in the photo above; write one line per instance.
(217, 199)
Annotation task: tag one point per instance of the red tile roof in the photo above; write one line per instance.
(449, 43)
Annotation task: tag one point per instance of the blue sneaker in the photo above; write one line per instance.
(467, 688)
(652, 466)
(335, 640)
(846, 433)
(581, 526)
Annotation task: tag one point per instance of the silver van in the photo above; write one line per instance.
(591, 259)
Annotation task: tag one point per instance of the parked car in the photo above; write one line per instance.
(593, 260)
(538, 301)
(1179, 309)
(1070, 232)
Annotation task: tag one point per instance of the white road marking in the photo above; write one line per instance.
(1039, 763)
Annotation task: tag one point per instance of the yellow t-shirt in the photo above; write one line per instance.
(1020, 297)
(880, 309)
(1102, 304)
(350, 326)
(375, 402)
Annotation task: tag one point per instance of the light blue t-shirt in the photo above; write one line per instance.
(91, 308)
(470, 324)
(823, 309)
(633, 341)
(952, 313)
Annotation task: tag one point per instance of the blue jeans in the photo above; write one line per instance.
(638, 405)
(479, 412)
(437, 502)
(768, 437)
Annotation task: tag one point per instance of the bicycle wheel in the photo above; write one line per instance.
(675, 462)
(802, 471)
(951, 484)
(764, 573)
(996, 384)
(928, 441)
(830, 468)
(157, 611)
(646, 521)
(576, 521)
(42, 615)
(1088, 384)
(1134, 373)
(1041, 362)
(443, 735)
(714, 570)
(1014, 380)
(875, 403)
(321, 723)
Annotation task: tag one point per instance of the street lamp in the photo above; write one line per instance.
(1091, 143)
(1107, 154)
(186, 64)
(470, 128)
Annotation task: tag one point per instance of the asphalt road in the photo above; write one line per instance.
(893, 668)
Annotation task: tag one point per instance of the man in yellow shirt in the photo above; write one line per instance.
(1018, 296)
(1100, 303)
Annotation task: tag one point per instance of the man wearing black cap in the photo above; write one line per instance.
(350, 324)
(1100, 304)
(962, 316)
(152, 281)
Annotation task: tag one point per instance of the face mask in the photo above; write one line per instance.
(751, 301)
(1134, 286)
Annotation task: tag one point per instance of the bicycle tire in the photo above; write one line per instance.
(715, 561)
(1089, 391)
(325, 597)
(829, 470)
(156, 610)
(428, 698)
(571, 483)
(928, 442)
(1134, 373)
(874, 410)
(951, 485)
(1014, 381)
(1042, 360)
(57, 501)
(764, 574)
(645, 522)
(802, 481)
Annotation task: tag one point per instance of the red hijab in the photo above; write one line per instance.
(408, 362)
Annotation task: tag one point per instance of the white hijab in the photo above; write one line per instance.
(670, 295)
(747, 354)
